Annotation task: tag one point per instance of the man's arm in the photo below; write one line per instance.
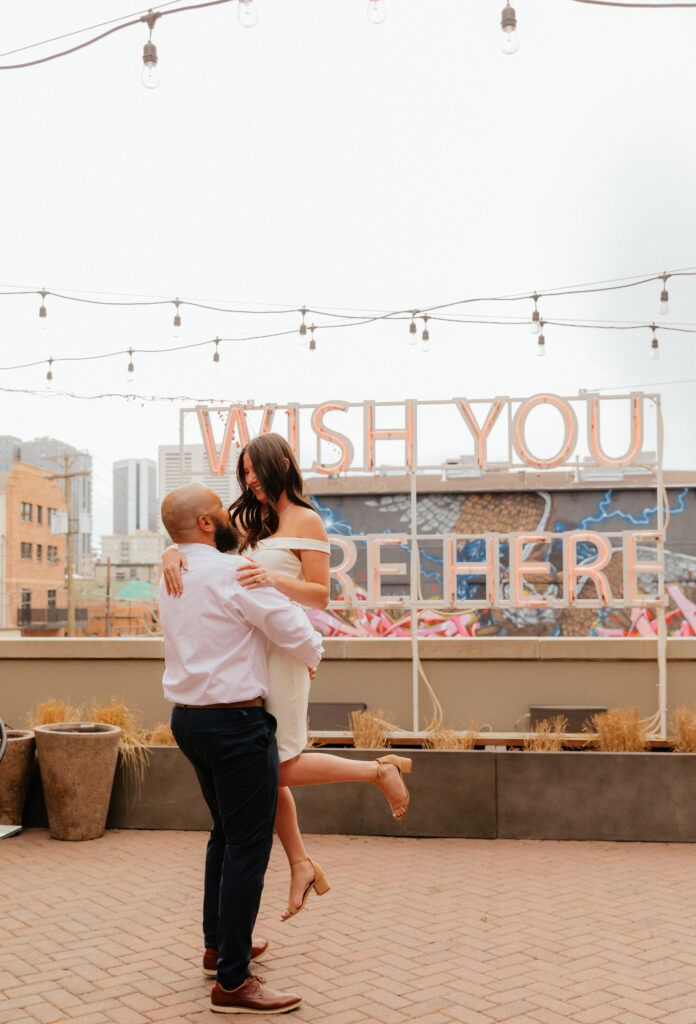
(282, 622)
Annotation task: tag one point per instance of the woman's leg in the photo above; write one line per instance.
(288, 830)
(313, 770)
(316, 769)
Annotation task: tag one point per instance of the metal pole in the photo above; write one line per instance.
(661, 622)
(107, 609)
(415, 579)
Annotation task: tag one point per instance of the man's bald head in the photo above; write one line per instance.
(182, 509)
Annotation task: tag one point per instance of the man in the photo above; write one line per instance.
(216, 677)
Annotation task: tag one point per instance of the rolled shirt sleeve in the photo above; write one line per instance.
(284, 623)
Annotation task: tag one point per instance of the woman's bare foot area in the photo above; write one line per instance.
(301, 875)
(392, 785)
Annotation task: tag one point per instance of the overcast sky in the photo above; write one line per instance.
(319, 159)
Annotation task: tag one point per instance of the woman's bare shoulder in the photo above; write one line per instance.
(305, 522)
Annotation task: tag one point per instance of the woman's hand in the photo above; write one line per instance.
(173, 564)
(254, 575)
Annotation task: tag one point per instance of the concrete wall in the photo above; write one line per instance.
(491, 681)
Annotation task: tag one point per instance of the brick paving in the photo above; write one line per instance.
(440, 930)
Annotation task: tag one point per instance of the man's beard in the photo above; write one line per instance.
(226, 537)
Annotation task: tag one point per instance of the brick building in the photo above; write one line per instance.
(32, 559)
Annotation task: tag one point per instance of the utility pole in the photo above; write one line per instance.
(107, 609)
(69, 564)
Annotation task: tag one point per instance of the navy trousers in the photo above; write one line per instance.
(234, 754)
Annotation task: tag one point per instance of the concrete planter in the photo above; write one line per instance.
(77, 761)
(168, 797)
(642, 797)
(648, 797)
(15, 772)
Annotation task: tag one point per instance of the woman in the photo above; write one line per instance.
(290, 551)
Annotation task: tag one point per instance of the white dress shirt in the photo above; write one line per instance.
(215, 633)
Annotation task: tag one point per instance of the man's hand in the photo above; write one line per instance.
(312, 673)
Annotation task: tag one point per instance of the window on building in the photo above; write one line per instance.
(26, 512)
(39, 513)
(52, 553)
(39, 552)
(26, 599)
(50, 513)
(51, 599)
(26, 550)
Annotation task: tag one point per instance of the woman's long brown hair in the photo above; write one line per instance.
(268, 453)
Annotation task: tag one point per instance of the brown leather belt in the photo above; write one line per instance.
(254, 702)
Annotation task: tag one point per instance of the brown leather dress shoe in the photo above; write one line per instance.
(210, 957)
(252, 996)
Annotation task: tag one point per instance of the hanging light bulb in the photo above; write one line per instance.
(42, 308)
(412, 329)
(312, 345)
(425, 337)
(541, 341)
(150, 75)
(49, 375)
(534, 326)
(654, 345)
(664, 297)
(131, 369)
(247, 13)
(376, 11)
(508, 22)
(216, 355)
(177, 318)
(302, 334)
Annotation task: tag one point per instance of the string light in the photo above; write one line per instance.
(541, 341)
(655, 345)
(247, 13)
(131, 367)
(412, 329)
(508, 22)
(150, 74)
(216, 354)
(376, 11)
(302, 333)
(664, 297)
(49, 375)
(42, 308)
(177, 315)
(312, 345)
(425, 346)
(535, 327)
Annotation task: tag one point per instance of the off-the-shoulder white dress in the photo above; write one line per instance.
(288, 679)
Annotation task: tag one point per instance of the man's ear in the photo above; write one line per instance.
(206, 524)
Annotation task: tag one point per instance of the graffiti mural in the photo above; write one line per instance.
(609, 511)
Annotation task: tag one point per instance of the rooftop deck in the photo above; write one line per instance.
(106, 932)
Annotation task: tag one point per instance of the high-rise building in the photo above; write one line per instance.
(49, 454)
(135, 496)
(196, 469)
(9, 452)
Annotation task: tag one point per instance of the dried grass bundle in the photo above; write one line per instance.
(160, 736)
(48, 712)
(370, 728)
(133, 747)
(448, 739)
(683, 739)
(548, 735)
(619, 729)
